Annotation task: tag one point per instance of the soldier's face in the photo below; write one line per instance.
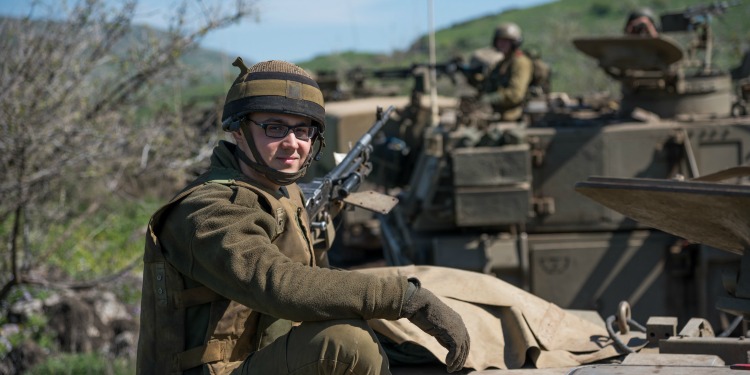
(286, 154)
(503, 45)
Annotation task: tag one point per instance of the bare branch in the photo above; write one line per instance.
(60, 284)
(74, 79)
(15, 278)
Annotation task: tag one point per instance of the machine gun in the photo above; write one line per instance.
(694, 16)
(326, 195)
(697, 19)
(418, 71)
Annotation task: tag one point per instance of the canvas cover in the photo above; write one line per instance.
(509, 327)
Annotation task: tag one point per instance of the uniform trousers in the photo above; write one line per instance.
(326, 347)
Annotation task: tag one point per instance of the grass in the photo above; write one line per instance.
(105, 243)
(83, 364)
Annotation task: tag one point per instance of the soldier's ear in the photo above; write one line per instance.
(237, 134)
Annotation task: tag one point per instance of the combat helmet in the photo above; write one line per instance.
(642, 12)
(278, 87)
(510, 31)
(638, 13)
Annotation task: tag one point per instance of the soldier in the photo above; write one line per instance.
(641, 22)
(506, 86)
(232, 283)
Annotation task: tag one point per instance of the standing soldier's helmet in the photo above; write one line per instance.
(277, 87)
(510, 31)
(642, 12)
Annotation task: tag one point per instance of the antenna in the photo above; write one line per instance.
(433, 72)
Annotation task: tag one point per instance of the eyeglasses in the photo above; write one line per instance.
(302, 132)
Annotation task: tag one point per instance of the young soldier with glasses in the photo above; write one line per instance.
(231, 281)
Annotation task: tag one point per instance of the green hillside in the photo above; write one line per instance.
(550, 29)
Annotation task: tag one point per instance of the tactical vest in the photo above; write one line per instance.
(234, 330)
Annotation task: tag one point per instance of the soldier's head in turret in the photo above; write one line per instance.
(642, 22)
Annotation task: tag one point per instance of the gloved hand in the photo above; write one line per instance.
(433, 316)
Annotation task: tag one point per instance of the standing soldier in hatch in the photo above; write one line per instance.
(641, 22)
(506, 87)
(231, 282)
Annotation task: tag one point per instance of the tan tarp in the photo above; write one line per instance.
(507, 325)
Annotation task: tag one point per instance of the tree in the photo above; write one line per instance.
(75, 80)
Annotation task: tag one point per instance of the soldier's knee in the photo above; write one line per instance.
(349, 346)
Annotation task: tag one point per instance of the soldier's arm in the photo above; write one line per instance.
(227, 247)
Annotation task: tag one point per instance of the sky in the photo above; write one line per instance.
(298, 30)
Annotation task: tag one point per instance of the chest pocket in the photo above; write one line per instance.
(268, 203)
(290, 235)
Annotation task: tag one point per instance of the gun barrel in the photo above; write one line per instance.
(343, 178)
(716, 8)
(350, 184)
(341, 168)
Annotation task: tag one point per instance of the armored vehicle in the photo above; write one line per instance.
(499, 197)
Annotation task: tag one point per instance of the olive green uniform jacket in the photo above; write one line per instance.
(508, 84)
(229, 267)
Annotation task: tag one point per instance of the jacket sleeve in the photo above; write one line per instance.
(227, 247)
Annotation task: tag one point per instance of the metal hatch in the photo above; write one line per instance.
(710, 213)
(632, 52)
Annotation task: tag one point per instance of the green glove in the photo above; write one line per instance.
(433, 316)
